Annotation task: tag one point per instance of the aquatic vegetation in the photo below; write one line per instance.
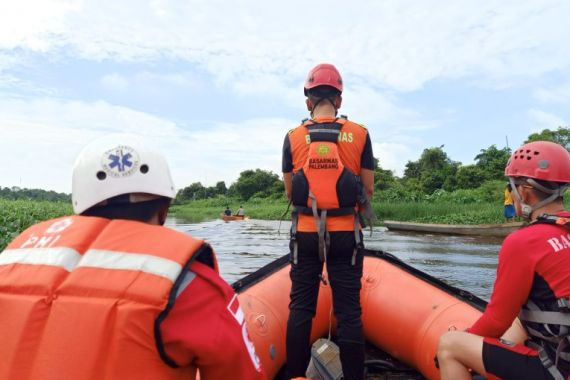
(427, 211)
(459, 207)
(17, 215)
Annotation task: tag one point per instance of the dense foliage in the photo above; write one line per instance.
(433, 172)
(35, 194)
(17, 215)
(198, 191)
(560, 136)
(471, 206)
(260, 183)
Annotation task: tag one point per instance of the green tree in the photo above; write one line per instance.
(195, 191)
(232, 192)
(33, 194)
(431, 181)
(433, 159)
(383, 178)
(560, 136)
(434, 170)
(277, 188)
(221, 188)
(492, 162)
(413, 170)
(251, 182)
(210, 191)
(469, 177)
(450, 182)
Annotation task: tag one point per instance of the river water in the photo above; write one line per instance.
(244, 246)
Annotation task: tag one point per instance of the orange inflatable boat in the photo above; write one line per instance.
(404, 312)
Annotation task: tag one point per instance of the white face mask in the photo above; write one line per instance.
(527, 209)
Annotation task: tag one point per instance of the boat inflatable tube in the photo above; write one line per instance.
(404, 311)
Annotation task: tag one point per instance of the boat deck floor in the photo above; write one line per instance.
(380, 366)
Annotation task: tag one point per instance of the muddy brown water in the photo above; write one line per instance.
(244, 246)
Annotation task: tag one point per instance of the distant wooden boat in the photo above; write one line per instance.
(229, 218)
(498, 230)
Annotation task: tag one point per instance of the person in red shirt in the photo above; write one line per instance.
(328, 172)
(533, 281)
(116, 294)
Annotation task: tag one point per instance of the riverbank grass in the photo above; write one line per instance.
(423, 212)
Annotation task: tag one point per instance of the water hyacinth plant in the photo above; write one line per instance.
(17, 215)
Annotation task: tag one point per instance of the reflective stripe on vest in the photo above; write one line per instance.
(69, 259)
(131, 261)
(66, 258)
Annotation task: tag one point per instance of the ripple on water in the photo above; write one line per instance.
(244, 246)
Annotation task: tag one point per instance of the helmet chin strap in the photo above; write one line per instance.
(528, 209)
(319, 101)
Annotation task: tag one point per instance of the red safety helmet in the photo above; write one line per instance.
(542, 160)
(323, 74)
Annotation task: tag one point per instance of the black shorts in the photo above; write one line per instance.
(506, 360)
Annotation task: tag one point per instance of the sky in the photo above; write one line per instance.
(215, 85)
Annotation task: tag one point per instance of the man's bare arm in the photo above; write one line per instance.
(367, 178)
(287, 180)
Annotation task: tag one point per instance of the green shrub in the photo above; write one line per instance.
(17, 215)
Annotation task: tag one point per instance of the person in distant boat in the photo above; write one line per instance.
(533, 281)
(328, 169)
(509, 209)
(227, 211)
(240, 211)
(110, 292)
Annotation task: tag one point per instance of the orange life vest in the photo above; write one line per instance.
(350, 145)
(324, 183)
(84, 297)
(324, 187)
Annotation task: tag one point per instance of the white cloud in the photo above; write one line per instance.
(380, 111)
(148, 82)
(399, 44)
(7, 61)
(184, 79)
(115, 82)
(557, 94)
(394, 130)
(224, 150)
(33, 25)
(394, 156)
(546, 120)
(46, 135)
(260, 49)
(41, 138)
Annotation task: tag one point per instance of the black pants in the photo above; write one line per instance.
(345, 283)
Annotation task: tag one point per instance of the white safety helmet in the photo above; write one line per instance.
(119, 164)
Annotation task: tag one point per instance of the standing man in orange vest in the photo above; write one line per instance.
(111, 293)
(328, 170)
